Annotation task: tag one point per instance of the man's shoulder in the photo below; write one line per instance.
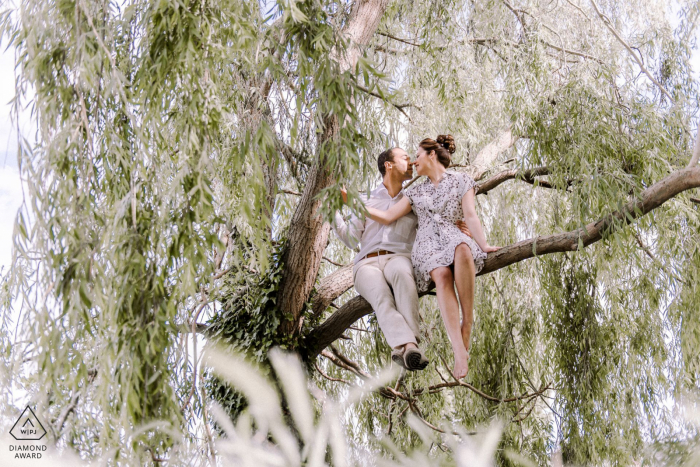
(377, 193)
(378, 190)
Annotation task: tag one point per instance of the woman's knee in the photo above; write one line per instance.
(463, 252)
(442, 275)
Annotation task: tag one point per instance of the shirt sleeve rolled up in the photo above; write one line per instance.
(349, 232)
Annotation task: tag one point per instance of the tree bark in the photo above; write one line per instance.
(695, 158)
(486, 157)
(331, 287)
(308, 234)
(650, 199)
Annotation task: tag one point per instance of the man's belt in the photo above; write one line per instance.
(378, 253)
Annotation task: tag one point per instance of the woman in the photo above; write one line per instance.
(441, 252)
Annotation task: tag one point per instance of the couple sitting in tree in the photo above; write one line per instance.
(394, 257)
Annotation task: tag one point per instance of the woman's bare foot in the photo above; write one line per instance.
(461, 363)
(466, 337)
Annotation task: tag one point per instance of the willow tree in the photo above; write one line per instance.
(188, 156)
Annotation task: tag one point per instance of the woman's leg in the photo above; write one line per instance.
(465, 278)
(449, 309)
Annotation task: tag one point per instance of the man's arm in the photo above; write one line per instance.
(349, 232)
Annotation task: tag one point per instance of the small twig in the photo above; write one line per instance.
(418, 415)
(193, 326)
(205, 415)
(339, 363)
(153, 456)
(655, 259)
(644, 247)
(458, 382)
(516, 12)
(392, 404)
(330, 378)
(221, 274)
(333, 262)
(398, 39)
(695, 200)
(521, 419)
(345, 359)
(92, 374)
(290, 192)
(579, 9)
(609, 25)
(388, 50)
(399, 107)
(403, 412)
(572, 52)
(67, 411)
(220, 254)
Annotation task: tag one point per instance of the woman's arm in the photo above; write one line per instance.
(400, 209)
(472, 221)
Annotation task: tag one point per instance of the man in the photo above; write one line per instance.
(384, 264)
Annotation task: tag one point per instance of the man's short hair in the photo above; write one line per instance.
(386, 156)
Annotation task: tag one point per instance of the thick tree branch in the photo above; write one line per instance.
(331, 287)
(650, 199)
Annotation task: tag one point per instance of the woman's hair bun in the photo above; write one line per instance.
(447, 142)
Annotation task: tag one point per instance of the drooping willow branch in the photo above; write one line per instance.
(399, 107)
(608, 24)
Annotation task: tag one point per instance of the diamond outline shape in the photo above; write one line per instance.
(35, 418)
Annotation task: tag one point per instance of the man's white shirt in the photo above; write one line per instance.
(397, 237)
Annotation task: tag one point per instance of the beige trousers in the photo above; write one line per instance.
(397, 312)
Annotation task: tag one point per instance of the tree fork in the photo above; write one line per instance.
(308, 234)
(651, 198)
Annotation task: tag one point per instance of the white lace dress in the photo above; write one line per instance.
(438, 208)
